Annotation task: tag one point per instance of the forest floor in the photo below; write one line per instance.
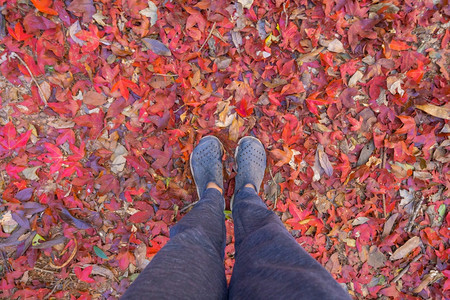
(102, 103)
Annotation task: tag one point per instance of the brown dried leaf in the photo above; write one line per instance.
(282, 156)
(157, 47)
(324, 161)
(94, 98)
(407, 248)
(442, 112)
(234, 128)
(83, 8)
(365, 153)
(389, 224)
(46, 90)
(376, 257)
(336, 46)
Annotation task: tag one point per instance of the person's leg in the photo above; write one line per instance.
(190, 265)
(270, 264)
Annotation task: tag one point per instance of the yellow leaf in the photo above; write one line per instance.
(305, 221)
(37, 239)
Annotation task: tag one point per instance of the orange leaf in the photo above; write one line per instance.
(123, 85)
(44, 6)
(18, 33)
(398, 45)
(283, 156)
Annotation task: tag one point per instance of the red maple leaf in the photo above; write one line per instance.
(54, 157)
(122, 85)
(18, 33)
(398, 45)
(44, 7)
(243, 108)
(9, 139)
(83, 275)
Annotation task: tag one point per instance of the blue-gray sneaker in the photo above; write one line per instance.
(206, 163)
(251, 163)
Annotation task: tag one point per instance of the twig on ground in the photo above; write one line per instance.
(415, 213)
(72, 255)
(166, 75)
(41, 92)
(383, 164)
(285, 13)
(276, 190)
(53, 289)
(403, 272)
(209, 35)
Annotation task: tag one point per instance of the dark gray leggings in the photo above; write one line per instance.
(270, 264)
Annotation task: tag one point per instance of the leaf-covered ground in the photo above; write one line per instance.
(102, 103)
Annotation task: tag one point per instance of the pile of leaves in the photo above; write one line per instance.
(102, 103)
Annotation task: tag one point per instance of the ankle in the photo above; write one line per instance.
(249, 185)
(212, 185)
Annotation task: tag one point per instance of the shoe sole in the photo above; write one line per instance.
(235, 159)
(190, 160)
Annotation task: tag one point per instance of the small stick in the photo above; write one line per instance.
(383, 164)
(72, 255)
(209, 35)
(276, 191)
(414, 216)
(403, 272)
(41, 92)
(43, 270)
(53, 290)
(166, 75)
(285, 12)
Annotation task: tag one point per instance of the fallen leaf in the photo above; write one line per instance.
(50, 243)
(398, 45)
(394, 85)
(73, 30)
(99, 252)
(25, 194)
(157, 47)
(118, 159)
(359, 221)
(389, 224)
(83, 8)
(102, 271)
(234, 128)
(336, 46)
(442, 112)
(422, 175)
(427, 279)
(246, 3)
(150, 12)
(30, 173)
(376, 258)
(94, 98)
(68, 218)
(83, 275)
(282, 157)
(407, 248)
(324, 161)
(141, 256)
(366, 153)
(7, 222)
(355, 79)
(44, 6)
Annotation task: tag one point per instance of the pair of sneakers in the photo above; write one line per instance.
(206, 163)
